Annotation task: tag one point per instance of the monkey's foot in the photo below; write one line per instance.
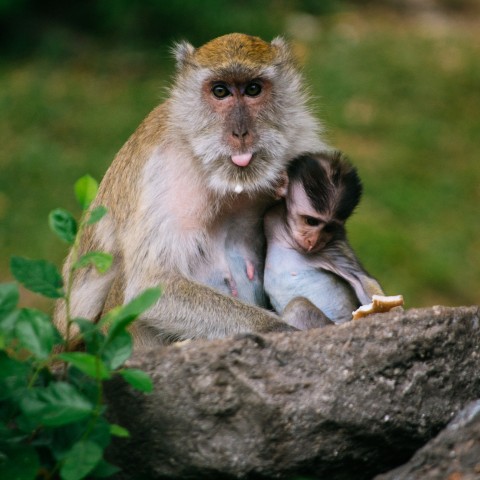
(380, 304)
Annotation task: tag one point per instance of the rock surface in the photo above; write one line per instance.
(453, 455)
(343, 402)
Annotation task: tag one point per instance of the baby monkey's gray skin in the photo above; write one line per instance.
(312, 275)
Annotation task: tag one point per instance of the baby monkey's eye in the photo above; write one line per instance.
(312, 221)
(330, 228)
(220, 91)
(253, 89)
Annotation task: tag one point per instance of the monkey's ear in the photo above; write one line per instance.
(283, 49)
(183, 52)
(280, 42)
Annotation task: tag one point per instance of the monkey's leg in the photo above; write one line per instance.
(304, 315)
(88, 296)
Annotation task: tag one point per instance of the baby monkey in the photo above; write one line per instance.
(312, 275)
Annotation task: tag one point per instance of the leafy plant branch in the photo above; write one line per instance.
(54, 426)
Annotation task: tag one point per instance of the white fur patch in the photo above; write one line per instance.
(89, 293)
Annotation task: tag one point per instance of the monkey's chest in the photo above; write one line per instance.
(235, 268)
(288, 275)
(246, 274)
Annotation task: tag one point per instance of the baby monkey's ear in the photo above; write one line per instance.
(282, 186)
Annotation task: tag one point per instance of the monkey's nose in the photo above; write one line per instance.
(240, 134)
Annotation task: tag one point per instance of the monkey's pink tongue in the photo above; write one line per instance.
(242, 160)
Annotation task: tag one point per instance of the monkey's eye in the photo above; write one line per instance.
(312, 221)
(253, 89)
(220, 91)
(329, 228)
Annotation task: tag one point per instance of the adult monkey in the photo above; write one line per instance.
(203, 162)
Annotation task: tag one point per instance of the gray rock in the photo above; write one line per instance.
(454, 454)
(343, 402)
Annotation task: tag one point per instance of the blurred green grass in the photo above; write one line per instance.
(399, 96)
(402, 98)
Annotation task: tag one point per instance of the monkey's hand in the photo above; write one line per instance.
(380, 304)
(282, 187)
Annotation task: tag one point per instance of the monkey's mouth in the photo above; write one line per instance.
(249, 173)
(308, 247)
(242, 160)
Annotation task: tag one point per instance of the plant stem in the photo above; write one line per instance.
(37, 371)
(97, 411)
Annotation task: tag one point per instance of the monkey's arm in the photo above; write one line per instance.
(190, 310)
(339, 258)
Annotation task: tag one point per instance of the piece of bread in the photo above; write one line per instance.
(380, 304)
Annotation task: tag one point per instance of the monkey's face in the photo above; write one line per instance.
(310, 229)
(237, 135)
(239, 104)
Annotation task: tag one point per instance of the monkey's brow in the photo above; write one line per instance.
(238, 72)
(324, 218)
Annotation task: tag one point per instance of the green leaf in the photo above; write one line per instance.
(81, 460)
(58, 404)
(8, 314)
(141, 303)
(19, 462)
(100, 434)
(137, 379)
(90, 387)
(7, 328)
(39, 276)
(117, 349)
(9, 434)
(13, 377)
(129, 312)
(100, 260)
(60, 440)
(92, 335)
(87, 363)
(63, 224)
(85, 190)
(119, 431)
(106, 321)
(96, 215)
(35, 332)
(104, 469)
(8, 298)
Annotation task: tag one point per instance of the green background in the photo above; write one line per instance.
(398, 90)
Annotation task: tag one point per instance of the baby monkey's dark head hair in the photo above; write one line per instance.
(331, 182)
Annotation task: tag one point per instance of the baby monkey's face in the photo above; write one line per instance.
(310, 229)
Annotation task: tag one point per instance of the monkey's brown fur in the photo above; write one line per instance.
(171, 191)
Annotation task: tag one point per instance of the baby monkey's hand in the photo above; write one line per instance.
(282, 186)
